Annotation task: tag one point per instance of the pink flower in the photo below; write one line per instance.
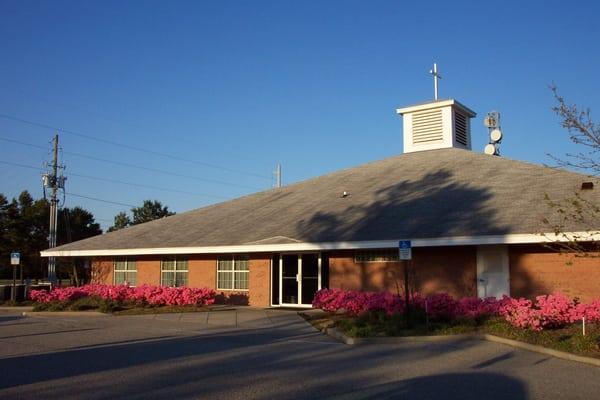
(145, 294)
(547, 312)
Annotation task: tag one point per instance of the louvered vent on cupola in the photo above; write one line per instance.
(461, 129)
(436, 125)
(427, 126)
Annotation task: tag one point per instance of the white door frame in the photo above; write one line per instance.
(496, 254)
(298, 278)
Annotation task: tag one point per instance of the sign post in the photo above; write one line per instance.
(405, 255)
(15, 260)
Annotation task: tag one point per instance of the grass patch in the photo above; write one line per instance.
(12, 303)
(381, 324)
(377, 324)
(568, 339)
(84, 304)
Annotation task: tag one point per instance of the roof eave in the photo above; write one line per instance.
(345, 245)
(437, 104)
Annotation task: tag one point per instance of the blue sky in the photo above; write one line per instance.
(246, 84)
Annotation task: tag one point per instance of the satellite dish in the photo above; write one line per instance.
(489, 121)
(496, 135)
(490, 149)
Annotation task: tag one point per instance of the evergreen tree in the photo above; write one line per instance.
(122, 220)
(24, 227)
(148, 211)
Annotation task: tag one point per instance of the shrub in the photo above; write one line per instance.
(86, 303)
(119, 294)
(546, 312)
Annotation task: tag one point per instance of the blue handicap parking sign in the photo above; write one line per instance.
(405, 249)
(15, 258)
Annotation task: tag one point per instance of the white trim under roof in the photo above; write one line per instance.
(436, 104)
(348, 245)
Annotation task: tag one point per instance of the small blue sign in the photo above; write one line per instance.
(15, 258)
(405, 249)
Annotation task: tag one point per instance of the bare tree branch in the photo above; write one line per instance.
(583, 131)
(576, 210)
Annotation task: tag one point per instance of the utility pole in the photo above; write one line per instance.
(278, 175)
(54, 182)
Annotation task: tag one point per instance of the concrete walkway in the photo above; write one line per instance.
(261, 354)
(225, 317)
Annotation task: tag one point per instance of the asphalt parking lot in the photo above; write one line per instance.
(261, 354)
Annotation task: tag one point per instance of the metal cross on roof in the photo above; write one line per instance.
(436, 76)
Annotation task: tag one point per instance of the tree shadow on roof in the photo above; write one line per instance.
(438, 205)
(435, 206)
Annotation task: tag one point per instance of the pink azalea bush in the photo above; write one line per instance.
(440, 305)
(546, 312)
(355, 302)
(143, 295)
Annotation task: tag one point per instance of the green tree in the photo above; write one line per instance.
(122, 220)
(148, 211)
(24, 226)
(75, 224)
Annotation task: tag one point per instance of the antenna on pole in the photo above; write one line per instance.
(492, 122)
(436, 76)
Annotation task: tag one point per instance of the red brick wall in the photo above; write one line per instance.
(260, 278)
(442, 269)
(148, 270)
(102, 270)
(202, 273)
(535, 270)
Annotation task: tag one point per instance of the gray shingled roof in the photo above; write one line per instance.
(429, 194)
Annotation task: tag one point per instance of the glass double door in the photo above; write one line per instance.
(300, 276)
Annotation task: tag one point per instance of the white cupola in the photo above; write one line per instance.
(437, 124)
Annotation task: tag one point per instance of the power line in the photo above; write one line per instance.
(122, 121)
(71, 194)
(75, 194)
(129, 165)
(147, 186)
(21, 165)
(100, 200)
(122, 182)
(130, 147)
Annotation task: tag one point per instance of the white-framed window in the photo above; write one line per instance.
(174, 271)
(378, 255)
(233, 272)
(125, 271)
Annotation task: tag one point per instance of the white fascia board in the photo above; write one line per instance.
(425, 106)
(436, 104)
(299, 247)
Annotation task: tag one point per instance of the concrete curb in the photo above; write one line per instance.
(540, 349)
(64, 314)
(342, 337)
(339, 335)
(16, 308)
